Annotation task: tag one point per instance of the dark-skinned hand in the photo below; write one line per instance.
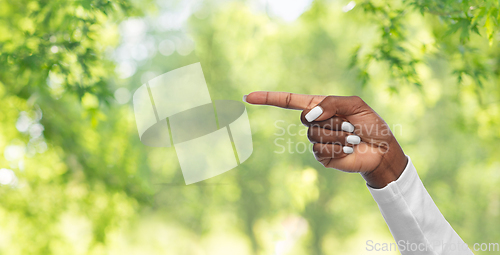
(376, 154)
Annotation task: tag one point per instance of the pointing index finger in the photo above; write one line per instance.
(283, 99)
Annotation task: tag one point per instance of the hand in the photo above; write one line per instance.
(372, 149)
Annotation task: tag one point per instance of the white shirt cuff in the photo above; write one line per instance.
(413, 218)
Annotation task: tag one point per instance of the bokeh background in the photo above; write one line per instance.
(75, 179)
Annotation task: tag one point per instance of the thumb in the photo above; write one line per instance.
(335, 106)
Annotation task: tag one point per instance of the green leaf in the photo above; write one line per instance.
(490, 25)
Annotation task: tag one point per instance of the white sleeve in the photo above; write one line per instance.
(414, 220)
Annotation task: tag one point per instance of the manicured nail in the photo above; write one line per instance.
(348, 127)
(348, 150)
(353, 139)
(314, 113)
(245, 98)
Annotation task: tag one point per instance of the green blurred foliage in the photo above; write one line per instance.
(459, 29)
(86, 185)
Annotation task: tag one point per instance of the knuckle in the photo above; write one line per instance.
(330, 99)
(310, 134)
(288, 99)
(356, 99)
(318, 150)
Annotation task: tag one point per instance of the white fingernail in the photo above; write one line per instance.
(348, 127)
(348, 150)
(353, 139)
(314, 113)
(245, 98)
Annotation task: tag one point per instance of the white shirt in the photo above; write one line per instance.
(414, 220)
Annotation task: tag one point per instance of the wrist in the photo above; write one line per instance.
(392, 165)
